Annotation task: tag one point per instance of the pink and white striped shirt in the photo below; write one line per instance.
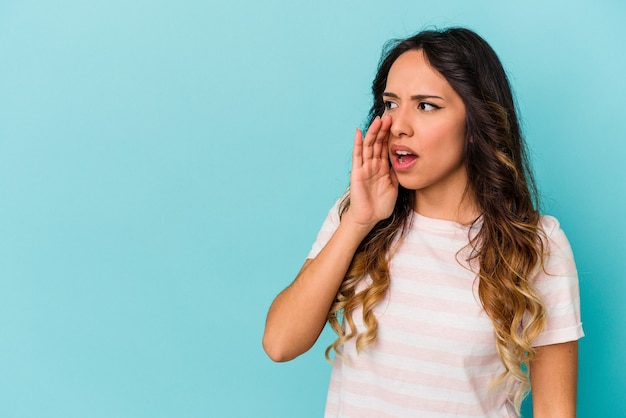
(435, 354)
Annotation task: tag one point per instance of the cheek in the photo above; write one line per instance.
(451, 135)
(448, 144)
(456, 133)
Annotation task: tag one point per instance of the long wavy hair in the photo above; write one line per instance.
(509, 244)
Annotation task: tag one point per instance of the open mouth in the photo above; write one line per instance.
(405, 157)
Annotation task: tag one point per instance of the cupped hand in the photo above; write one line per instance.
(373, 184)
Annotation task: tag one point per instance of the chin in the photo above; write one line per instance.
(411, 185)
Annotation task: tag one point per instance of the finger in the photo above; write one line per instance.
(370, 138)
(394, 177)
(386, 122)
(357, 150)
(382, 139)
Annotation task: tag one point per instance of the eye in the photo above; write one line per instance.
(389, 104)
(427, 107)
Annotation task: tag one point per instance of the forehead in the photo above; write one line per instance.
(411, 70)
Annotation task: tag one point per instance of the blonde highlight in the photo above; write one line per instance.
(509, 246)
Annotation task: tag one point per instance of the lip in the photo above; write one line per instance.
(402, 163)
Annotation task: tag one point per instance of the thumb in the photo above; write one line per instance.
(394, 178)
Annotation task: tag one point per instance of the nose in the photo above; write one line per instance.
(401, 122)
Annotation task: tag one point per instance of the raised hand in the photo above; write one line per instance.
(298, 314)
(373, 184)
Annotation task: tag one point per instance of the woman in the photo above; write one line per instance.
(445, 285)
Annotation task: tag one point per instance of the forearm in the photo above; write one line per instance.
(298, 314)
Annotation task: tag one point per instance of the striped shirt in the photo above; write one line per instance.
(435, 354)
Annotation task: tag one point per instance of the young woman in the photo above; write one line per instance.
(450, 294)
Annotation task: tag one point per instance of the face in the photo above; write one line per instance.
(427, 136)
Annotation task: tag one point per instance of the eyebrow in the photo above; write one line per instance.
(416, 97)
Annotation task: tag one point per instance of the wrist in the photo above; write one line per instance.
(356, 228)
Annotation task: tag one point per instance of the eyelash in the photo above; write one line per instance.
(387, 105)
(433, 106)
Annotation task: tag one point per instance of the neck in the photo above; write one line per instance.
(452, 205)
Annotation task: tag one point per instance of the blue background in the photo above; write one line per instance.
(165, 167)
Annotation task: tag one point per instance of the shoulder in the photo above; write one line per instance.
(553, 235)
(330, 224)
(556, 281)
(557, 251)
(549, 224)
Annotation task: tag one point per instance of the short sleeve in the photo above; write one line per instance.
(557, 284)
(328, 229)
